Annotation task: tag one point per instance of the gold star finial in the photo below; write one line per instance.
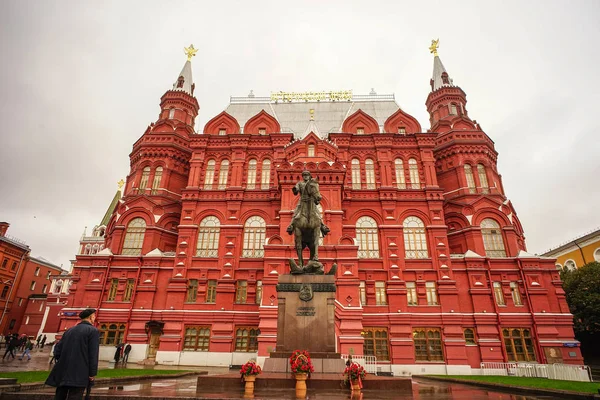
(312, 114)
(121, 183)
(434, 46)
(190, 52)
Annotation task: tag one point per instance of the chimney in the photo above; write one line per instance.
(3, 228)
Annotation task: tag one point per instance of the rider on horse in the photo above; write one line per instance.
(309, 191)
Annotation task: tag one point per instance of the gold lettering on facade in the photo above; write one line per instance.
(312, 96)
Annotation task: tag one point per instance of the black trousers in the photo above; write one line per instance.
(69, 393)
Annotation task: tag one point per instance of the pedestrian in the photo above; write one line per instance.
(37, 344)
(28, 348)
(11, 346)
(126, 353)
(76, 359)
(53, 352)
(43, 341)
(118, 352)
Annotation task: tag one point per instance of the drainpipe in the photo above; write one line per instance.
(533, 326)
(12, 288)
(580, 251)
(496, 309)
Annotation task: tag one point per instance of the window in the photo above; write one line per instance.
(380, 296)
(355, 174)
(192, 291)
(251, 182)
(413, 170)
(41, 306)
(431, 291)
(254, 237)
(222, 132)
(428, 344)
(311, 150)
(27, 320)
(516, 295)
(259, 290)
(415, 241)
(492, 238)
(411, 293)
(44, 288)
(144, 180)
(32, 286)
(14, 266)
(376, 343)
(469, 335)
(20, 302)
(196, 338)
(241, 292)
(157, 178)
(112, 291)
(180, 81)
(128, 289)
(209, 176)
(171, 113)
(211, 291)
(366, 235)
(223, 174)
(265, 174)
(400, 180)
(360, 131)
(370, 173)
(452, 109)
(37, 271)
(246, 339)
(402, 130)
(48, 275)
(4, 262)
(470, 179)
(208, 237)
(596, 255)
(112, 333)
(134, 237)
(519, 344)
(498, 294)
(362, 291)
(483, 178)
(5, 292)
(570, 265)
(262, 131)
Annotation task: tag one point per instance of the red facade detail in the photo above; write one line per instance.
(401, 122)
(360, 122)
(262, 123)
(222, 121)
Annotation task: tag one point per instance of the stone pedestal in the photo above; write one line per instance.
(305, 321)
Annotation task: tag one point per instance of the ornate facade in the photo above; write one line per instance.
(433, 274)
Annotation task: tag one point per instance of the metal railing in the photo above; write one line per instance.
(369, 363)
(565, 372)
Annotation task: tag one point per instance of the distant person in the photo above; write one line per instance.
(53, 352)
(43, 341)
(28, 348)
(118, 352)
(76, 359)
(126, 352)
(11, 346)
(39, 338)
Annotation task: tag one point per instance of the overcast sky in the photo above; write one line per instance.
(81, 80)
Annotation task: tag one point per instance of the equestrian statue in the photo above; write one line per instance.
(307, 227)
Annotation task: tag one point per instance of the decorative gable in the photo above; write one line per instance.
(262, 121)
(360, 123)
(401, 122)
(222, 122)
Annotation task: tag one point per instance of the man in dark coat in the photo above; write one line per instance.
(126, 352)
(77, 359)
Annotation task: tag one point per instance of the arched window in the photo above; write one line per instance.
(171, 113)
(208, 237)
(265, 174)
(355, 174)
(570, 265)
(452, 109)
(370, 173)
(209, 176)
(254, 237)
(88, 249)
(144, 180)
(413, 170)
(180, 81)
(251, 182)
(223, 174)
(95, 249)
(157, 179)
(311, 150)
(597, 255)
(367, 237)
(492, 238)
(483, 178)
(415, 241)
(134, 237)
(400, 181)
(470, 179)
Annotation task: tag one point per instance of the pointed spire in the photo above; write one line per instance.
(312, 126)
(440, 76)
(184, 81)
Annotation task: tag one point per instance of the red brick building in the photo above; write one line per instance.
(433, 274)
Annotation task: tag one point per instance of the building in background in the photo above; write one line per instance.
(433, 274)
(578, 252)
